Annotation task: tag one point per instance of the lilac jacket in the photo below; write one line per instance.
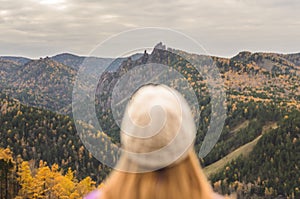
(93, 195)
(97, 193)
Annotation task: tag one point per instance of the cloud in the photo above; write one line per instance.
(42, 27)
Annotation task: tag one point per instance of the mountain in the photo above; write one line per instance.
(295, 58)
(42, 83)
(69, 60)
(248, 77)
(276, 63)
(48, 82)
(261, 89)
(76, 62)
(19, 60)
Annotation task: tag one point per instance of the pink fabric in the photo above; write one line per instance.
(93, 195)
(97, 193)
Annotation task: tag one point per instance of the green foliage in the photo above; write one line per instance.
(260, 88)
(39, 134)
(272, 168)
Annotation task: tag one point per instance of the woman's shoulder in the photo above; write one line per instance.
(93, 195)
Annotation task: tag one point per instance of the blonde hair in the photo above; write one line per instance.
(182, 180)
(150, 177)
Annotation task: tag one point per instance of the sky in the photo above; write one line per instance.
(38, 28)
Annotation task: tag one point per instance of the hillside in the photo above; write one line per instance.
(37, 134)
(48, 82)
(245, 81)
(261, 89)
(18, 60)
(243, 150)
(95, 63)
(42, 83)
(271, 169)
(247, 76)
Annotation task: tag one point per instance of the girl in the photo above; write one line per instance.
(158, 160)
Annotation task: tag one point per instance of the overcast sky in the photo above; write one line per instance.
(36, 28)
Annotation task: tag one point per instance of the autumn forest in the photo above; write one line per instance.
(256, 156)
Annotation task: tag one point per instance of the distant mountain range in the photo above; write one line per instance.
(47, 82)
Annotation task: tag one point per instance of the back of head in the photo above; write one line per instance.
(158, 160)
(157, 129)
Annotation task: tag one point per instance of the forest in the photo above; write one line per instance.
(271, 169)
(24, 179)
(43, 156)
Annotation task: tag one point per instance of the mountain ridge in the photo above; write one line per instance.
(294, 55)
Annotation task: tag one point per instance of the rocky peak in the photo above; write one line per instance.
(160, 46)
(242, 56)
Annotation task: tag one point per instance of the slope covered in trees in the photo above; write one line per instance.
(37, 134)
(261, 88)
(271, 169)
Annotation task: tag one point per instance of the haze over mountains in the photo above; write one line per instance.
(263, 102)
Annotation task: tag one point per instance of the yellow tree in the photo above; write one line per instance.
(26, 180)
(55, 173)
(7, 165)
(43, 181)
(64, 186)
(85, 186)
